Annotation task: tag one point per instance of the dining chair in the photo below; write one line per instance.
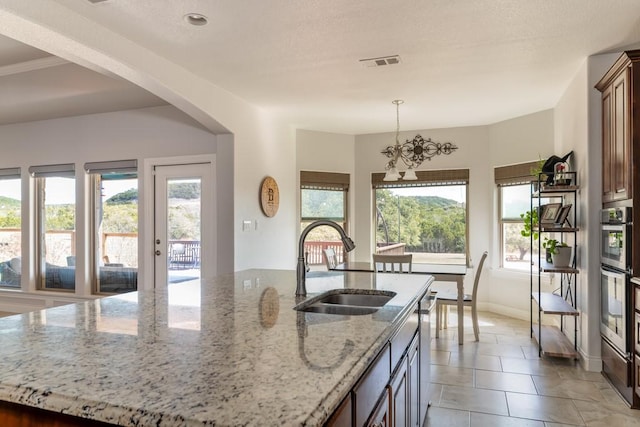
(392, 263)
(330, 258)
(447, 299)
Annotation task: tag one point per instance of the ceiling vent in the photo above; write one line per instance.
(380, 62)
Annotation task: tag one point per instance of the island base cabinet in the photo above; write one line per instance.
(381, 416)
(414, 383)
(400, 395)
(389, 392)
(15, 415)
(343, 416)
(372, 384)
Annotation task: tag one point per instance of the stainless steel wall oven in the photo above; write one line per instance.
(615, 232)
(615, 274)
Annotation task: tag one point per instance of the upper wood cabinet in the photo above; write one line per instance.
(620, 88)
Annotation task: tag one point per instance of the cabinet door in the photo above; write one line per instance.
(607, 138)
(367, 392)
(380, 417)
(621, 143)
(343, 416)
(414, 384)
(636, 334)
(637, 375)
(400, 396)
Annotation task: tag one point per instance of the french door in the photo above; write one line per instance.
(184, 223)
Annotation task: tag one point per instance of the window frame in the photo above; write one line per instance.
(502, 221)
(426, 178)
(15, 175)
(329, 181)
(39, 174)
(96, 170)
(507, 176)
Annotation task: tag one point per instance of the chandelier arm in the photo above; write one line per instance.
(412, 152)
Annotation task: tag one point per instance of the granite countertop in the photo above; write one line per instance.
(230, 351)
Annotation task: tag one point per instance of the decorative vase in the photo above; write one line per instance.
(562, 256)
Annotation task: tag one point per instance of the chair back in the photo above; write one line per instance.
(477, 277)
(392, 263)
(330, 258)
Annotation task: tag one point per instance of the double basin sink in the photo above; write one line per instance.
(347, 302)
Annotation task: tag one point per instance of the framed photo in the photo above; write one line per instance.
(563, 214)
(550, 213)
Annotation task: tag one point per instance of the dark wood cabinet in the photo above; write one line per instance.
(390, 392)
(619, 88)
(400, 395)
(381, 416)
(414, 383)
(367, 391)
(343, 416)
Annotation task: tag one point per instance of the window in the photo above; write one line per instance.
(514, 185)
(426, 218)
(515, 248)
(56, 226)
(323, 196)
(10, 228)
(115, 225)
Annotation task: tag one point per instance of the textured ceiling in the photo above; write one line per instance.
(462, 62)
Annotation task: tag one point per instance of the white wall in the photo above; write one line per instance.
(326, 152)
(578, 118)
(522, 139)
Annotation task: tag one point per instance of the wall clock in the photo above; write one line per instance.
(269, 196)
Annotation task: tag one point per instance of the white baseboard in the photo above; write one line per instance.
(589, 363)
(504, 310)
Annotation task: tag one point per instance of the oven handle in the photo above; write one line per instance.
(619, 227)
(611, 272)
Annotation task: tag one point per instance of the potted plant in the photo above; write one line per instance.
(536, 172)
(530, 225)
(558, 253)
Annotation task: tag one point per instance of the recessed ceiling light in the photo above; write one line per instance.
(196, 19)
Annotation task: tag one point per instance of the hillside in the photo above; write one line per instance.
(8, 202)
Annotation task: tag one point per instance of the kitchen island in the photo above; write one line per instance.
(230, 351)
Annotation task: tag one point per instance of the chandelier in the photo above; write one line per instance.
(411, 152)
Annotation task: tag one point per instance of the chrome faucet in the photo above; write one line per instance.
(301, 289)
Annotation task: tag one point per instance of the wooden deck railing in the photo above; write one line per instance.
(391, 249)
(315, 255)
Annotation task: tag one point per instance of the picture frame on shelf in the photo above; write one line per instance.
(563, 213)
(549, 213)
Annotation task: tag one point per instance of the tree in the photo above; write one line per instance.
(423, 223)
(129, 196)
(184, 190)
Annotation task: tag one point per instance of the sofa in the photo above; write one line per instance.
(113, 279)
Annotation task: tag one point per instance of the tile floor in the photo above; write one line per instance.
(500, 382)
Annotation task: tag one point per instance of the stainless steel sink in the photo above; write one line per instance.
(347, 302)
(344, 310)
(360, 300)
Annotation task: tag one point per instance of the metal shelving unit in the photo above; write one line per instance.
(552, 340)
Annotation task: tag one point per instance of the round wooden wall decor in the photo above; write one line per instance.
(269, 307)
(269, 197)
